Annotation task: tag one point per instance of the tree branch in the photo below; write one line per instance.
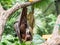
(1, 8)
(56, 27)
(18, 6)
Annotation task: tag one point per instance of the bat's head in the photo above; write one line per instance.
(28, 35)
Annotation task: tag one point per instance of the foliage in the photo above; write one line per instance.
(9, 27)
(44, 21)
(47, 25)
(37, 39)
(9, 40)
(45, 18)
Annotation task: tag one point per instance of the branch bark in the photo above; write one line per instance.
(18, 6)
(1, 8)
(56, 27)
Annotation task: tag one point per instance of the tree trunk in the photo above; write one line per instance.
(55, 38)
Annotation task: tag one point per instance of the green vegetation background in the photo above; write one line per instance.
(45, 18)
